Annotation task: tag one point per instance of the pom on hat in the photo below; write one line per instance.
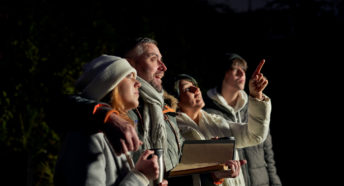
(102, 75)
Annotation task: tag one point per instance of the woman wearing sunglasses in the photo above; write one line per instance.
(196, 124)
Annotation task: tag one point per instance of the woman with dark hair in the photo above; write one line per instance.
(197, 124)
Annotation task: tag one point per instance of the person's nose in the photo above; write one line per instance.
(240, 72)
(137, 84)
(197, 91)
(162, 66)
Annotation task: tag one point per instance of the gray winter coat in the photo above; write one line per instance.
(88, 159)
(172, 157)
(174, 141)
(260, 169)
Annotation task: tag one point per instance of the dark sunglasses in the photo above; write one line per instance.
(191, 89)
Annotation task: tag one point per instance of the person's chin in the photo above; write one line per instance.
(157, 85)
(241, 87)
(134, 104)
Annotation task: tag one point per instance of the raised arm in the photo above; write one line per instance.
(258, 82)
(257, 127)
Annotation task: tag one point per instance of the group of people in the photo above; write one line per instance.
(122, 114)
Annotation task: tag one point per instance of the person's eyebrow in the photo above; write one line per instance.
(185, 84)
(154, 54)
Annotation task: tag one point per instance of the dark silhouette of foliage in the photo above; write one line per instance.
(43, 46)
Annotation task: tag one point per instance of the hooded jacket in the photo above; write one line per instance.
(260, 168)
(212, 125)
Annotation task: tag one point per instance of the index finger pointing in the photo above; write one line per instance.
(259, 67)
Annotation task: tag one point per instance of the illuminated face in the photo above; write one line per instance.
(235, 78)
(190, 96)
(149, 66)
(128, 90)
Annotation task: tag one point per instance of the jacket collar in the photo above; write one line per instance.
(218, 98)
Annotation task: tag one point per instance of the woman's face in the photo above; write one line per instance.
(128, 90)
(190, 96)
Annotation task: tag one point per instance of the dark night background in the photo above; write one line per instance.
(43, 46)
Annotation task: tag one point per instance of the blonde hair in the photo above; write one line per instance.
(117, 104)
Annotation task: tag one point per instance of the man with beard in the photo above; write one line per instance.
(154, 120)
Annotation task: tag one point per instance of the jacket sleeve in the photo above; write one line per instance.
(88, 160)
(257, 127)
(134, 178)
(80, 112)
(97, 175)
(269, 159)
(81, 161)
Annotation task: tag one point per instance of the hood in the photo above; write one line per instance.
(218, 98)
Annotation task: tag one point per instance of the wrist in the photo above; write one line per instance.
(258, 96)
(141, 176)
(262, 98)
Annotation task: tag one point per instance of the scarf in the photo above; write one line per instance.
(153, 118)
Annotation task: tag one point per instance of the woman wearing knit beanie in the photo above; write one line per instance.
(87, 157)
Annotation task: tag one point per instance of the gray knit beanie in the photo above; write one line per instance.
(102, 75)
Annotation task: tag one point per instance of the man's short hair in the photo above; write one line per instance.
(135, 47)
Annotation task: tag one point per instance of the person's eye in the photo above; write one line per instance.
(154, 58)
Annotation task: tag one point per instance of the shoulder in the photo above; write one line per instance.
(216, 111)
(80, 145)
(209, 102)
(214, 119)
(212, 106)
(190, 132)
(97, 142)
(210, 115)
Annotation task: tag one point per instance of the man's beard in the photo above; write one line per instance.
(157, 87)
